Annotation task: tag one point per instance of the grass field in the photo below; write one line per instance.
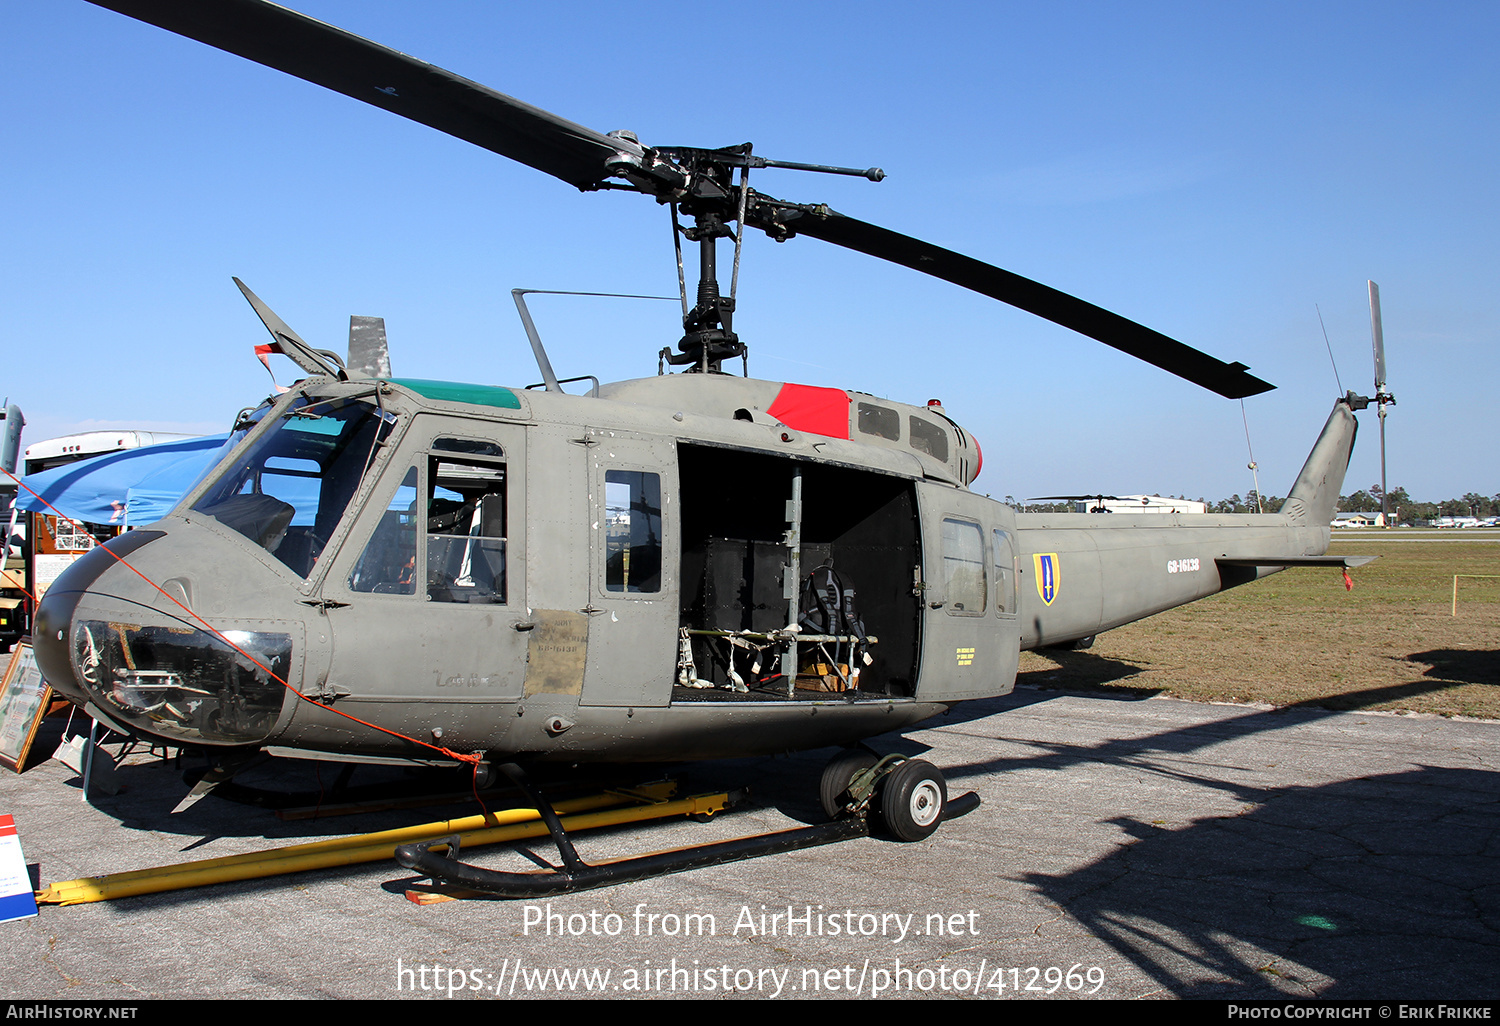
(1299, 638)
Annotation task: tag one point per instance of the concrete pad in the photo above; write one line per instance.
(1125, 849)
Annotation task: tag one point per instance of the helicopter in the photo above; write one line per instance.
(687, 566)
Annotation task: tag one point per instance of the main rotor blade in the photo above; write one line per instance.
(346, 63)
(1227, 379)
(1073, 498)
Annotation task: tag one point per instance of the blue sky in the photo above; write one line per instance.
(1211, 170)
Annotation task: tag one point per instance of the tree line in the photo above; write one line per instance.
(1366, 500)
(1401, 505)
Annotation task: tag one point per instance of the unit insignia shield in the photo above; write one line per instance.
(1048, 575)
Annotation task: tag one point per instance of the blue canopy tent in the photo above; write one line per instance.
(130, 487)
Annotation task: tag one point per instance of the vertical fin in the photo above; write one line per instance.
(10, 437)
(1315, 496)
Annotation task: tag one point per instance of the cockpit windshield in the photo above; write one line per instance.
(289, 491)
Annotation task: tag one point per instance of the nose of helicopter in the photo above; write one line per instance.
(138, 657)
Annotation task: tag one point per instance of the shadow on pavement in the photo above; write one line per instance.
(1381, 887)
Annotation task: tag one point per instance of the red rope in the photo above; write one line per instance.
(473, 759)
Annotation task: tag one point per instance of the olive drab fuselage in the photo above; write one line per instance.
(539, 575)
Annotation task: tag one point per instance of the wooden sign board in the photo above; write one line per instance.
(24, 698)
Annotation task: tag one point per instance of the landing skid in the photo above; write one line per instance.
(576, 875)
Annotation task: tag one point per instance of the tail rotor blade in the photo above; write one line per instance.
(1382, 397)
(1377, 338)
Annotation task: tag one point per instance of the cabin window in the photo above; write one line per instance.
(632, 531)
(1005, 573)
(879, 420)
(466, 521)
(964, 586)
(929, 438)
(388, 564)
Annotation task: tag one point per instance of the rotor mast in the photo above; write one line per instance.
(713, 199)
(708, 334)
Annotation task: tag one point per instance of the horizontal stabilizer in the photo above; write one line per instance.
(1344, 561)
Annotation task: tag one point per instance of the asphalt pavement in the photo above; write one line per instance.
(1125, 848)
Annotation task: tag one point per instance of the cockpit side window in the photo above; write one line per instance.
(466, 529)
(388, 565)
(448, 527)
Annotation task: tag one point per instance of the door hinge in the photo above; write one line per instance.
(327, 693)
(324, 604)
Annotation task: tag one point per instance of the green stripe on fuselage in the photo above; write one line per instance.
(459, 392)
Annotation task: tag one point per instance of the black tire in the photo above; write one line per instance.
(912, 800)
(833, 788)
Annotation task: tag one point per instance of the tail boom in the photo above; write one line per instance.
(1109, 569)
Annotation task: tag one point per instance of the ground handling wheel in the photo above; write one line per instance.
(833, 788)
(913, 797)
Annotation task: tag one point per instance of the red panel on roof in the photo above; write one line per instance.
(821, 411)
